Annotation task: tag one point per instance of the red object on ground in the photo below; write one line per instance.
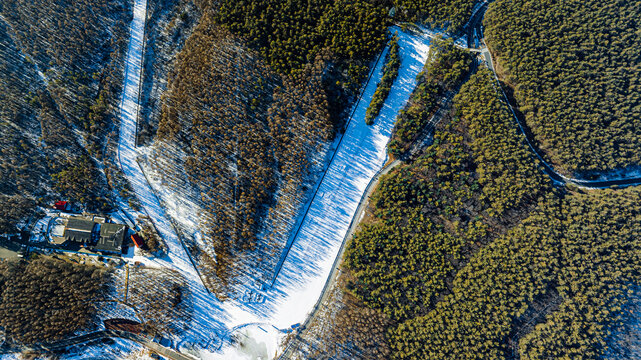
(123, 325)
(62, 205)
(137, 240)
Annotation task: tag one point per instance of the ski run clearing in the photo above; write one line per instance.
(258, 328)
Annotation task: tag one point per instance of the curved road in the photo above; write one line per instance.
(529, 137)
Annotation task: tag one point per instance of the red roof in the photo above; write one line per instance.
(60, 205)
(137, 240)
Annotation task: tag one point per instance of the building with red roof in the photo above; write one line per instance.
(137, 240)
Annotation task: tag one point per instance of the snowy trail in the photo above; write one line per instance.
(359, 157)
(208, 319)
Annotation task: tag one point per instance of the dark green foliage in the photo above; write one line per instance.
(434, 214)
(390, 72)
(290, 34)
(583, 246)
(468, 268)
(46, 299)
(575, 67)
(507, 170)
(452, 14)
(446, 67)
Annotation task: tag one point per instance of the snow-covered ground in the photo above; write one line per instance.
(305, 269)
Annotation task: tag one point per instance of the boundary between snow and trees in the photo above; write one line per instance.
(358, 157)
(290, 241)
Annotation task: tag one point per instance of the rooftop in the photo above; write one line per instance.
(78, 224)
(111, 237)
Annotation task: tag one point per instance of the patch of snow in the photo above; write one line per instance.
(252, 342)
(116, 349)
(360, 155)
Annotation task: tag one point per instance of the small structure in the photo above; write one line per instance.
(62, 205)
(92, 233)
(127, 325)
(111, 238)
(137, 240)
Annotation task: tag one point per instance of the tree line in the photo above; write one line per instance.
(470, 253)
(219, 92)
(390, 72)
(46, 299)
(444, 70)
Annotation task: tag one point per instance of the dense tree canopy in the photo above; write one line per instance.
(290, 34)
(580, 248)
(434, 213)
(472, 255)
(390, 72)
(47, 299)
(575, 67)
(451, 14)
(445, 68)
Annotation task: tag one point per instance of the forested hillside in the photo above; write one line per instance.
(46, 299)
(210, 112)
(451, 14)
(285, 72)
(444, 70)
(390, 72)
(567, 268)
(60, 74)
(290, 34)
(469, 253)
(575, 67)
(433, 214)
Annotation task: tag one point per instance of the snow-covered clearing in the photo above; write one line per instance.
(359, 156)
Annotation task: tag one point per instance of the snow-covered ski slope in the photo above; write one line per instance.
(359, 156)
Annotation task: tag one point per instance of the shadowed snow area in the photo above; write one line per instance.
(308, 263)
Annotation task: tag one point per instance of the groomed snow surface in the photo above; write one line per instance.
(299, 284)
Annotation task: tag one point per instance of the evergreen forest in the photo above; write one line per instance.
(390, 72)
(444, 70)
(468, 252)
(575, 69)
